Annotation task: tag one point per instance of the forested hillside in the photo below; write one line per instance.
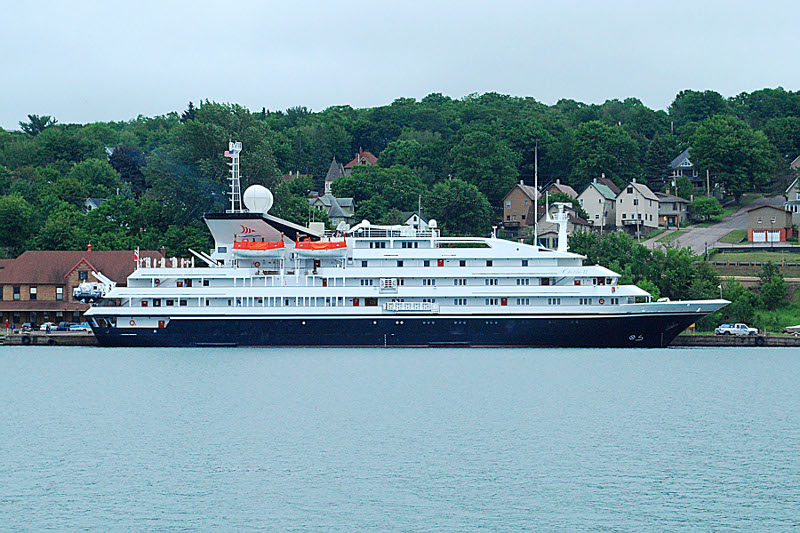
(460, 156)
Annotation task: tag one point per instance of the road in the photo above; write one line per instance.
(699, 238)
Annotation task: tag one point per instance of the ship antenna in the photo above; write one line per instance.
(236, 190)
(536, 195)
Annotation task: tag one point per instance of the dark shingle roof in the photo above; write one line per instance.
(334, 171)
(678, 160)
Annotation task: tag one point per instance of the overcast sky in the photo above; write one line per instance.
(101, 61)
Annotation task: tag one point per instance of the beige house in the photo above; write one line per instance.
(767, 223)
(637, 208)
(518, 206)
(599, 202)
(557, 186)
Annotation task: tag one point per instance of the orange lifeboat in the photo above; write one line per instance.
(247, 248)
(309, 248)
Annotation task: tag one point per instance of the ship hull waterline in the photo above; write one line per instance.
(621, 331)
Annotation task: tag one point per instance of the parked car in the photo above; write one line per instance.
(63, 326)
(735, 329)
(80, 327)
(792, 330)
(44, 326)
(28, 326)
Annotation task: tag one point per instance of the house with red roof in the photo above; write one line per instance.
(37, 286)
(363, 157)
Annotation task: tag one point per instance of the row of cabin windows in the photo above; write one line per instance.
(369, 302)
(33, 293)
(440, 262)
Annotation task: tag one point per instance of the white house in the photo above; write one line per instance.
(637, 208)
(599, 202)
(792, 203)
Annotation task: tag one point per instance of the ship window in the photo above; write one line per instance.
(554, 301)
(401, 281)
(492, 301)
(460, 301)
(187, 283)
(489, 262)
(222, 249)
(523, 281)
(462, 263)
(524, 262)
(208, 302)
(184, 303)
(523, 301)
(156, 302)
(427, 282)
(545, 281)
(399, 263)
(366, 283)
(426, 263)
(429, 300)
(460, 281)
(230, 302)
(363, 264)
(371, 302)
(170, 303)
(490, 281)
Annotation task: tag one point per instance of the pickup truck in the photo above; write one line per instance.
(735, 329)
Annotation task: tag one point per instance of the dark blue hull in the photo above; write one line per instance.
(628, 331)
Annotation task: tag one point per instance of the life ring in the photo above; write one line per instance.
(51, 342)
(157, 281)
(601, 301)
(760, 341)
(132, 323)
(26, 339)
(256, 264)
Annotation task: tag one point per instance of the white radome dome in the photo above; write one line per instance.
(258, 199)
(432, 223)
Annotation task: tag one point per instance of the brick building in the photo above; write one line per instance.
(37, 286)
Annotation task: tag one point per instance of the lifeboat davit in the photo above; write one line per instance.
(245, 248)
(321, 248)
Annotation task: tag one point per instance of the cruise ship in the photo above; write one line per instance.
(270, 282)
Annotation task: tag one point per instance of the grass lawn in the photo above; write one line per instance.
(735, 237)
(775, 257)
(653, 234)
(669, 237)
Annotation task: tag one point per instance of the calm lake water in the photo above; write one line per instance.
(338, 439)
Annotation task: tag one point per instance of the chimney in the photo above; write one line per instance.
(633, 180)
(667, 191)
(603, 175)
(521, 182)
(594, 180)
(558, 181)
(89, 248)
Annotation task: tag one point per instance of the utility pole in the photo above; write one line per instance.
(708, 185)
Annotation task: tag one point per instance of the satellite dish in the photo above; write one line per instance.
(258, 199)
(432, 223)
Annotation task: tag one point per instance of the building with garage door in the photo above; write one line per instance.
(767, 223)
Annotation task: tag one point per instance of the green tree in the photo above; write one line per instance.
(602, 149)
(741, 159)
(460, 208)
(486, 162)
(784, 134)
(696, 106)
(705, 208)
(97, 175)
(37, 124)
(772, 286)
(128, 161)
(16, 217)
